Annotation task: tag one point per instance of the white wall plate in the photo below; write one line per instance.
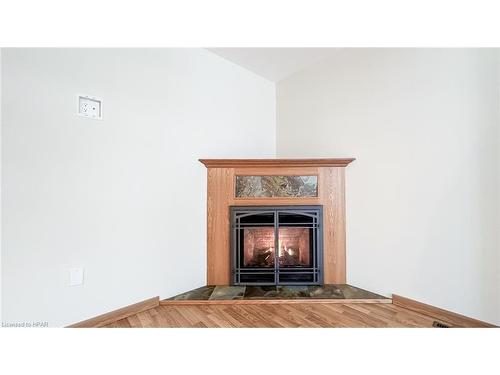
(76, 276)
(90, 107)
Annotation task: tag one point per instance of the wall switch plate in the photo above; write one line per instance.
(75, 276)
(90, 107)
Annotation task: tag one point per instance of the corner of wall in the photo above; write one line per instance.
(276, 119)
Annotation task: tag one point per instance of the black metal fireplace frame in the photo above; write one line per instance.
(315, 212)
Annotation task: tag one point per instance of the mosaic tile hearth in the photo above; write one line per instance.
(330, 291)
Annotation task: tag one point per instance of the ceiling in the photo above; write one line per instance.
(275, 64)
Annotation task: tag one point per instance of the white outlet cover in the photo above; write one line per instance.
(90, 107)
(75, 276)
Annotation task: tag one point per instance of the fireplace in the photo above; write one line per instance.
(276, 245)
(240, 191)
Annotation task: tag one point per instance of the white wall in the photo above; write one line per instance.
(123, 197)
(423, 194)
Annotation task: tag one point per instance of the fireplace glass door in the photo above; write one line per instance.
(276, 245)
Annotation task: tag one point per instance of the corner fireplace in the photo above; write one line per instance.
(276, 245)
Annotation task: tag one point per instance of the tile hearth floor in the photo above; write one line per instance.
(330, 291)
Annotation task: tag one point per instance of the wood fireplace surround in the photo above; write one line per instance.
(224, 191)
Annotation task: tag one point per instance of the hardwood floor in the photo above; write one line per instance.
(277, 316)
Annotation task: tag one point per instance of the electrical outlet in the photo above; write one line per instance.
(75, 276)
(90, 107)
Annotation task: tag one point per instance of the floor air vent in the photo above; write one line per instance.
(437, 324)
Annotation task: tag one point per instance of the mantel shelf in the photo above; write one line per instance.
(252, 163)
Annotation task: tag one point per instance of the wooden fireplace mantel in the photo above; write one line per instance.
(256, 163)
(221, 185)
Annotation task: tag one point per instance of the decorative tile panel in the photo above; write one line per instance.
(276, 186)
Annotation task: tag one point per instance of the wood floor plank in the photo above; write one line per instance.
(145, 319)
(336, 317)
(409, 317)
(177, 319)
(389, 317)
(312, 315)
(272, 317)
(450, 318)
(110, 317)
(222, 318)
(134, 321)
(165, 319)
